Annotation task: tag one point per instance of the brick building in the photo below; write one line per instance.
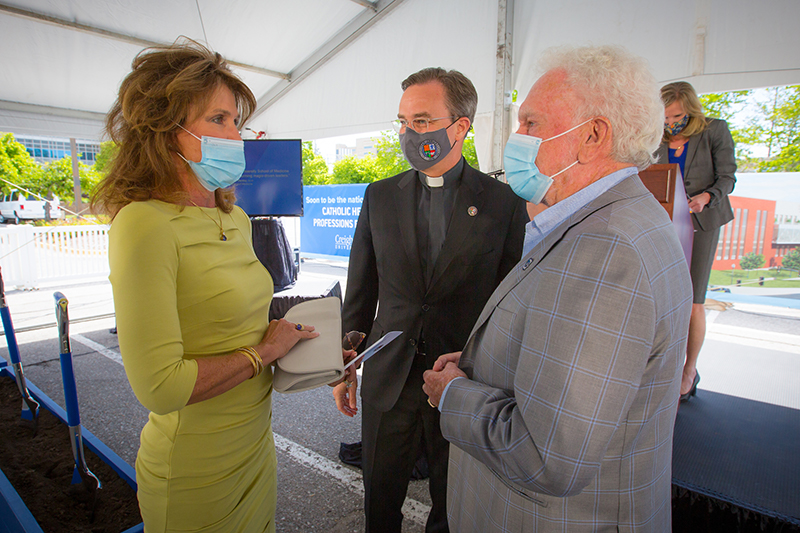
(751, 230)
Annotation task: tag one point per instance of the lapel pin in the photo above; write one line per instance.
(527, 263)
(472, 210)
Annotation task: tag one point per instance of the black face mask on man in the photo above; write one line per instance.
(423, 150)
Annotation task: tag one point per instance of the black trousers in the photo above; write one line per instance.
(391, 443)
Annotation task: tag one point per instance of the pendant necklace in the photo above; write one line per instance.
(222, 235)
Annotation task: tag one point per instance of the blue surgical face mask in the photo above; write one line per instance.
(222, 163)
(519, 160)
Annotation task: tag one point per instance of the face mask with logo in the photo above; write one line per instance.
(423, 150)
(676, 128)
(519, 160)
(222, 163)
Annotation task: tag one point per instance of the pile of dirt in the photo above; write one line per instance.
(40, 469)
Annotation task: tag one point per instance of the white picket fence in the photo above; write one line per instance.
(31, 256)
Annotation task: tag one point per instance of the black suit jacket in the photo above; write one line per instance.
(386, 272)
(710, 167)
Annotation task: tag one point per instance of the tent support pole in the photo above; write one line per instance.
(501, 120)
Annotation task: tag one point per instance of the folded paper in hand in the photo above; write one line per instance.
(313, 362)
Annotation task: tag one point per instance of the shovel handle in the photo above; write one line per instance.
(8, 326)
(2, 290)
(67, 371)
(11, 337)
(62, 318)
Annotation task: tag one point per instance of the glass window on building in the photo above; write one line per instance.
(743, 232)
(756, 229)
(727, 230)
(735, 237)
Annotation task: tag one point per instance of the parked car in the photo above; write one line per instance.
(18, 206)
(716, 288)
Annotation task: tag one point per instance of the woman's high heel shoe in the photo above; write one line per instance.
(693, 390)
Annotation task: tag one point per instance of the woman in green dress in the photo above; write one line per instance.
(191, 298)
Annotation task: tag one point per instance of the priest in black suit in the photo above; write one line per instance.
(430, 247)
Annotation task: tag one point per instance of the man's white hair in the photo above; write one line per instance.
(615, 84)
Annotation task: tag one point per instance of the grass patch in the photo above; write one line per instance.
(749, 278)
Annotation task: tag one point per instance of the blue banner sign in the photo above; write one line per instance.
(329, 218)
(272, 183)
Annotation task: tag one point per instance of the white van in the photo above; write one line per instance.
(18, 206)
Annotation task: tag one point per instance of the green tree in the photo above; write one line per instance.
(16, 164)
(782, 133)
(315, 169)
(389, 158)
(108, 151)
(791, 260)
(470, 155)
(727, 106)
(357, 170)
(751, 261)
(57, 179)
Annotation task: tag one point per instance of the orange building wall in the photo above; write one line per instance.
(750, 231)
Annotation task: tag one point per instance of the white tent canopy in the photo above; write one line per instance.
(322, 68)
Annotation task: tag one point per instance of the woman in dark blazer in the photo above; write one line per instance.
(704, 149)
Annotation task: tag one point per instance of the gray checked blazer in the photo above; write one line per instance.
(710, 167)
(566, 420)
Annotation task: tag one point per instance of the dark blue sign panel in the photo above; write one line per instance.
(329, 222)
(272, 183)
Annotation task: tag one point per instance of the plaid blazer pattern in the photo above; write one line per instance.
(566, 421)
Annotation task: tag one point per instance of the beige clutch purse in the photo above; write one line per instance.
(313, 362)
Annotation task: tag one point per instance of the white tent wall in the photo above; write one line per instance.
(717, 45)
(60, 76)
(359, 89)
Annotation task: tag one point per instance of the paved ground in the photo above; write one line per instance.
(751, 351)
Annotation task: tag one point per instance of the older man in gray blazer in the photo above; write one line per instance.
(560, 409)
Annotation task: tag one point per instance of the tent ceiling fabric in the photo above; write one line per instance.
(59, 79)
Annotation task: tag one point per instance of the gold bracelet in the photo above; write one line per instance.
(257, 361)
(254, 358)
(250, 360)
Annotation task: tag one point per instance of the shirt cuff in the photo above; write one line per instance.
(444, 392)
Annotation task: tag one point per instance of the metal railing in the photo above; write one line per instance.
(31, 255)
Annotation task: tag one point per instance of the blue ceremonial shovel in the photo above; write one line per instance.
(81, 474)
(30, 407)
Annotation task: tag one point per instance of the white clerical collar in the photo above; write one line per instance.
(434, 181)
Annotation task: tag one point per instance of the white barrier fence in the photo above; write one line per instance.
(30, 256)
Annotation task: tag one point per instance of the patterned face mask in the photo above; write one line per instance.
(676, 128)
(423, 150)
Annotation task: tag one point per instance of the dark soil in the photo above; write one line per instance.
(40, 469)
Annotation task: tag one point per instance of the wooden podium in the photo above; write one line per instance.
(666, 184)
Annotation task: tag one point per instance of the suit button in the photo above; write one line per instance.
(425, 307)
(412, 342)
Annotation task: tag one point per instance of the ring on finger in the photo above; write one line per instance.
(299, 327)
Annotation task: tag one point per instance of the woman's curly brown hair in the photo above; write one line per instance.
(166, 86)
